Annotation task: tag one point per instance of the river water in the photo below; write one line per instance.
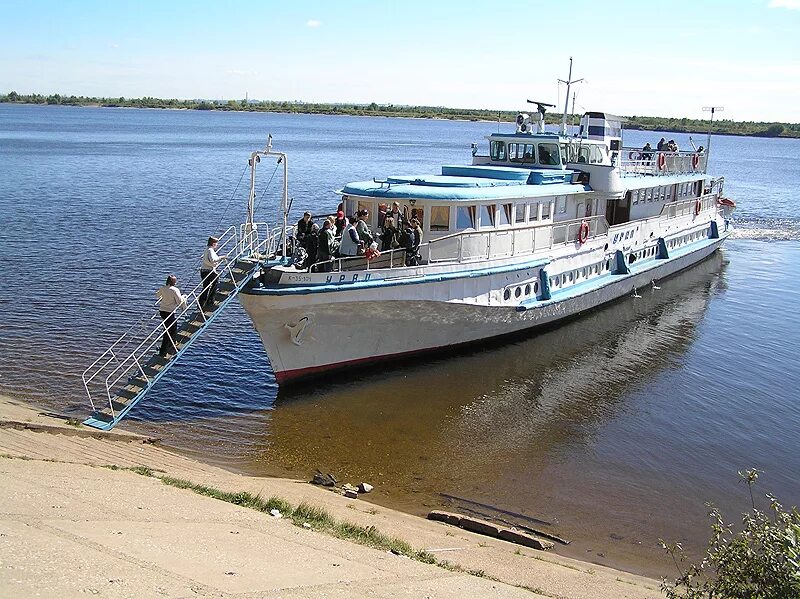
(611, 431)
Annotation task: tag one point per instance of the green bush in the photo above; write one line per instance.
(761, 560)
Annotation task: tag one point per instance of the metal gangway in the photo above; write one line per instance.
(127, 370)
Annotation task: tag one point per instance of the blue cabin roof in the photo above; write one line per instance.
(471, 183)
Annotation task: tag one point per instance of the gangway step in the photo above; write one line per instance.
(148, 371)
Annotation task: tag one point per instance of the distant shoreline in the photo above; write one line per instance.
(640, 123)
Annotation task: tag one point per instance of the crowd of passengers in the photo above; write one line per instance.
(664, 146)
(340, 237)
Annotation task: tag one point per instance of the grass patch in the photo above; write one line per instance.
(242, 498)
(316, 517)
(73, 422)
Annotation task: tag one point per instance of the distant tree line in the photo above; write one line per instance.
(646, 123)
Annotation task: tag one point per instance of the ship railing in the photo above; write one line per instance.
(466, 246)
(690, 207)
(488, 244)
(635, 161)
(129, 355)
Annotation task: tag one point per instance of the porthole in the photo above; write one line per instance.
(536, 287)
(527, 289)
(631, 258)
(564, 279)
(518, 292)
(583, 272)
(571, 276)
(507, 294)
(608, 264)
(554, 282)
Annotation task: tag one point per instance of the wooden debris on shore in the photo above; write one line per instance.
(490, 529)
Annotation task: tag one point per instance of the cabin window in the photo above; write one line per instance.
(533, 212)
(583, 154)
(440, 218)
(465, 217)
(635, 196)
(504, 214)
(669, 192)
(521, 153)
(548, 154)
(487, 215)
(595, 155)
(650, 194)
(546, 207)
(497, 150)
(561, 202)
(520, 213)
(662, 193)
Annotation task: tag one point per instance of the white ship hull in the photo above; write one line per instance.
(310, 333)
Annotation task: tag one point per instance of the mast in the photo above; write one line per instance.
(569, 82)
(712, 110)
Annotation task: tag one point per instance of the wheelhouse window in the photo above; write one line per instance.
(548, 154)
(497, 150)
(504, 214)
(465, 217)
(519, 216)
(533, 211)
(487, 215)
(440, 218)
(524, 153)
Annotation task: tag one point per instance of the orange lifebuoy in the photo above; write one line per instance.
(662, 161)
(695, 160)
(726, 202)
(583, 233)
(698, 206)
(371, 254)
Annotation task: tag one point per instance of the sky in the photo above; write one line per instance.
(649, 57)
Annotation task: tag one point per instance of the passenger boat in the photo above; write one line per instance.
(543, 227)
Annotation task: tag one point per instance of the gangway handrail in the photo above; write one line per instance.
(245, 247)
(225, 238)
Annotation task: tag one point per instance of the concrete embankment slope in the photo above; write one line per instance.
(70, 527)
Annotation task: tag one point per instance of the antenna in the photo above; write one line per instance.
(569, 82)
(712, 110)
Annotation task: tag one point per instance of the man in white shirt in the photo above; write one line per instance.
(170, 300)
(208, 274)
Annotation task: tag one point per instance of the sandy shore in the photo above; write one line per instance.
(72, 527)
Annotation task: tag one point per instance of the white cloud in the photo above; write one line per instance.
(789, 4)
(313, 23)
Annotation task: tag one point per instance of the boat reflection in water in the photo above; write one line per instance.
(508, 426)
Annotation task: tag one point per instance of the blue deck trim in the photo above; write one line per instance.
(607, 279)
(622, 266)
(544, 281)
(375, 283)
(663, 252)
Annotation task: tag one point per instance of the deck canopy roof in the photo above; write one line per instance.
(471, 183)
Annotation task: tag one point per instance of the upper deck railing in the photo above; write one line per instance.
(636, 161)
